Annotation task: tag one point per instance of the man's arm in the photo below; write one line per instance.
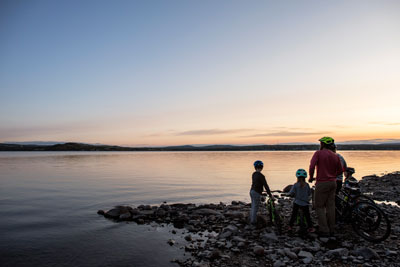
(339, 167)
(313, 163)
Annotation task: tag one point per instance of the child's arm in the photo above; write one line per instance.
(292, 192)
(267, 189)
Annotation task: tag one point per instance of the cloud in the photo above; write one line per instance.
(372, 141)
(386, 123)
(212, 132)
(286, 133)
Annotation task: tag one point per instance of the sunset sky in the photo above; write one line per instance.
(154, 73)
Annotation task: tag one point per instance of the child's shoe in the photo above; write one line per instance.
(311, 230)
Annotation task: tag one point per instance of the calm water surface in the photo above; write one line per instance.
(48, 200)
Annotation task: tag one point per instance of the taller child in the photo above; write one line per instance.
(258, 182)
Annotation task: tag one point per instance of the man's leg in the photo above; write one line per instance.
(330, 206)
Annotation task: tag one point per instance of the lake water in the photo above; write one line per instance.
(48, 200)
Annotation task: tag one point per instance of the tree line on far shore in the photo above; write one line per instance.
(89, 147)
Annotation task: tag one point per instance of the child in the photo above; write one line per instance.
(258, 182)
(301, 192)
(350, 181)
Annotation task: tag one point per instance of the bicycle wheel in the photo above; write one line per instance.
(370, 222)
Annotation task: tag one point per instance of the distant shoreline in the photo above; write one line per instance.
(87, 147)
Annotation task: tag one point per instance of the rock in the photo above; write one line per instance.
(307, 260)
(101, 212)
(178, 223)
(231, 228)
(188, 238)
(125, 216)
(161, 212)
(206, 212)
(287, 188)
(324, 239)
(367, 253)
(225, 234)
(171, 242)
(391, 253)
(258, 250)
(241, 244)
(191, 247)
(278, 263)
(235, 214)
(146, 212)
(238, 239)
(337, 253)
(290, 254)
(305, 254)
(270, 237)
(215, 254)
(235, 250)
(113, 213)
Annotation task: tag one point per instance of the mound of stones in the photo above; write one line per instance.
(382, 188)
(219, 234)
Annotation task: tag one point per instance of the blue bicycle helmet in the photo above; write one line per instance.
(258, 164)
(301, 173)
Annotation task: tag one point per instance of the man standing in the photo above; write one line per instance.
(328, 168)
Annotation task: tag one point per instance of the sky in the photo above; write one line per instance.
(159, 73)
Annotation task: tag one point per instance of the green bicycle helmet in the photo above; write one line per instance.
(327, 140)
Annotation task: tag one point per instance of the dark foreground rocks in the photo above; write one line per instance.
(219, 235)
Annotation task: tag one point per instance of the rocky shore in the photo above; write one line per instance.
(219, 234)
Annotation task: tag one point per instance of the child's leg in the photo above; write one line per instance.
(294, 214)
(255, 201)
(306, 212)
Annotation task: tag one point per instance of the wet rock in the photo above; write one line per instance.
(125, 216)
(178, 223)
(366, 253)
(191, 247)
(171, 242)
(188, 238)
(113, 213)
(101, 212)
(161, 212)
(258, 250)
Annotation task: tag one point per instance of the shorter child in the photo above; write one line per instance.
(350, 181)
(301, 192)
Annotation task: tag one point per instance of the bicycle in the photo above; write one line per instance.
(366, 218)
(275, 218)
